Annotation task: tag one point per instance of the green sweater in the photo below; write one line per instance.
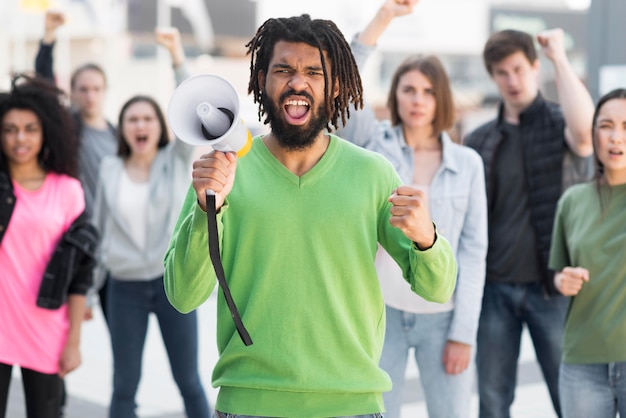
(594, 237)
(298, 253)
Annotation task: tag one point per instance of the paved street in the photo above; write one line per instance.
(89, 387)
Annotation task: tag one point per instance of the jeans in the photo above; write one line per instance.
(447, 396)
(42, 392)
(226, 415)
(506, 308)
(129, 305)
(593, 390)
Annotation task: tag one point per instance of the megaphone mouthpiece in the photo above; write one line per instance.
(204, 110)
(215, 120)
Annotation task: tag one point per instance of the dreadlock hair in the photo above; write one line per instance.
(59, 149)
(323, 35)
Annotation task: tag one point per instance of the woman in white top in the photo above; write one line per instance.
(451, 177)
(137, 202)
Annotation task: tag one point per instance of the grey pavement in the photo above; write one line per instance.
(89, 388)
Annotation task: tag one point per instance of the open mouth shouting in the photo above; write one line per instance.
(615, 152)
(141, 143)
(296, 111)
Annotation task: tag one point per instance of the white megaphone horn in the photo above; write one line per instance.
(204, 110)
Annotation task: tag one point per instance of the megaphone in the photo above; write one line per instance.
(204, 110)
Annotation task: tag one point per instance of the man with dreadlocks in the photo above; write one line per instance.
(298, 232)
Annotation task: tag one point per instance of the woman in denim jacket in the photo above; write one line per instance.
(451, 177)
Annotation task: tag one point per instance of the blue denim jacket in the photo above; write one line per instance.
(457, 197)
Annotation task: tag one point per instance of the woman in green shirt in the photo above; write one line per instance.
(587, 253)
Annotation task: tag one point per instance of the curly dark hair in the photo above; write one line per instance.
(123, 150)
(59, 151)
(323, 35)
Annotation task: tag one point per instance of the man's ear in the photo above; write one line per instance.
(335, 88)
(536, 65)
(537, 69)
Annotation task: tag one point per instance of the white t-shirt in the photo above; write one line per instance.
(132, 205)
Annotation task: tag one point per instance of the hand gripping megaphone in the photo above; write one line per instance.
(204, 110)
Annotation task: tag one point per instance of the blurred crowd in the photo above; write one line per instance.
(342, 238)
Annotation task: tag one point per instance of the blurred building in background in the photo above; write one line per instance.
(606, 56)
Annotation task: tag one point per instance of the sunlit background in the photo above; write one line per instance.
(117, 34)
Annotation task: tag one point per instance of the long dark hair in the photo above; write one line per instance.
(612, 95)
(123, 150)
(603, 193)
(323, 35)
(59, 151)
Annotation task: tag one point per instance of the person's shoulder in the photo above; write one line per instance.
(356, 151)
(467, 155)
(578, 192)
(551, 109)
(370, 162)
(111, 128)
(66, 182)
(72, 191)
(110, 161)
(63, 178)
(461, 150)
(476, 135)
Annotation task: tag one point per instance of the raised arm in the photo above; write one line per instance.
(387, 12)
(44, 60)
(363, 129)
(169, 38)
(575, 100)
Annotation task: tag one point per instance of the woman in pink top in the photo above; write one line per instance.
(39, 199)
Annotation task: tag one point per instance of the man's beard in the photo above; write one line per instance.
(294, 137)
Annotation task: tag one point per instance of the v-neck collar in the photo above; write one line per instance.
(308, 178)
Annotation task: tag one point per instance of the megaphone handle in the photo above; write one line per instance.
(214, 252)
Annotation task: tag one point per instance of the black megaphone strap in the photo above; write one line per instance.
(214, 252)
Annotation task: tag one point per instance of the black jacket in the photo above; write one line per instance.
(70, 268)
(542, 126)
(7, 202)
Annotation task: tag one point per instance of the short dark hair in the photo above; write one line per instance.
(59, 151)
(323, 35)
(507, 42)
(123, 150)
(90, 66)
(433, 69)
